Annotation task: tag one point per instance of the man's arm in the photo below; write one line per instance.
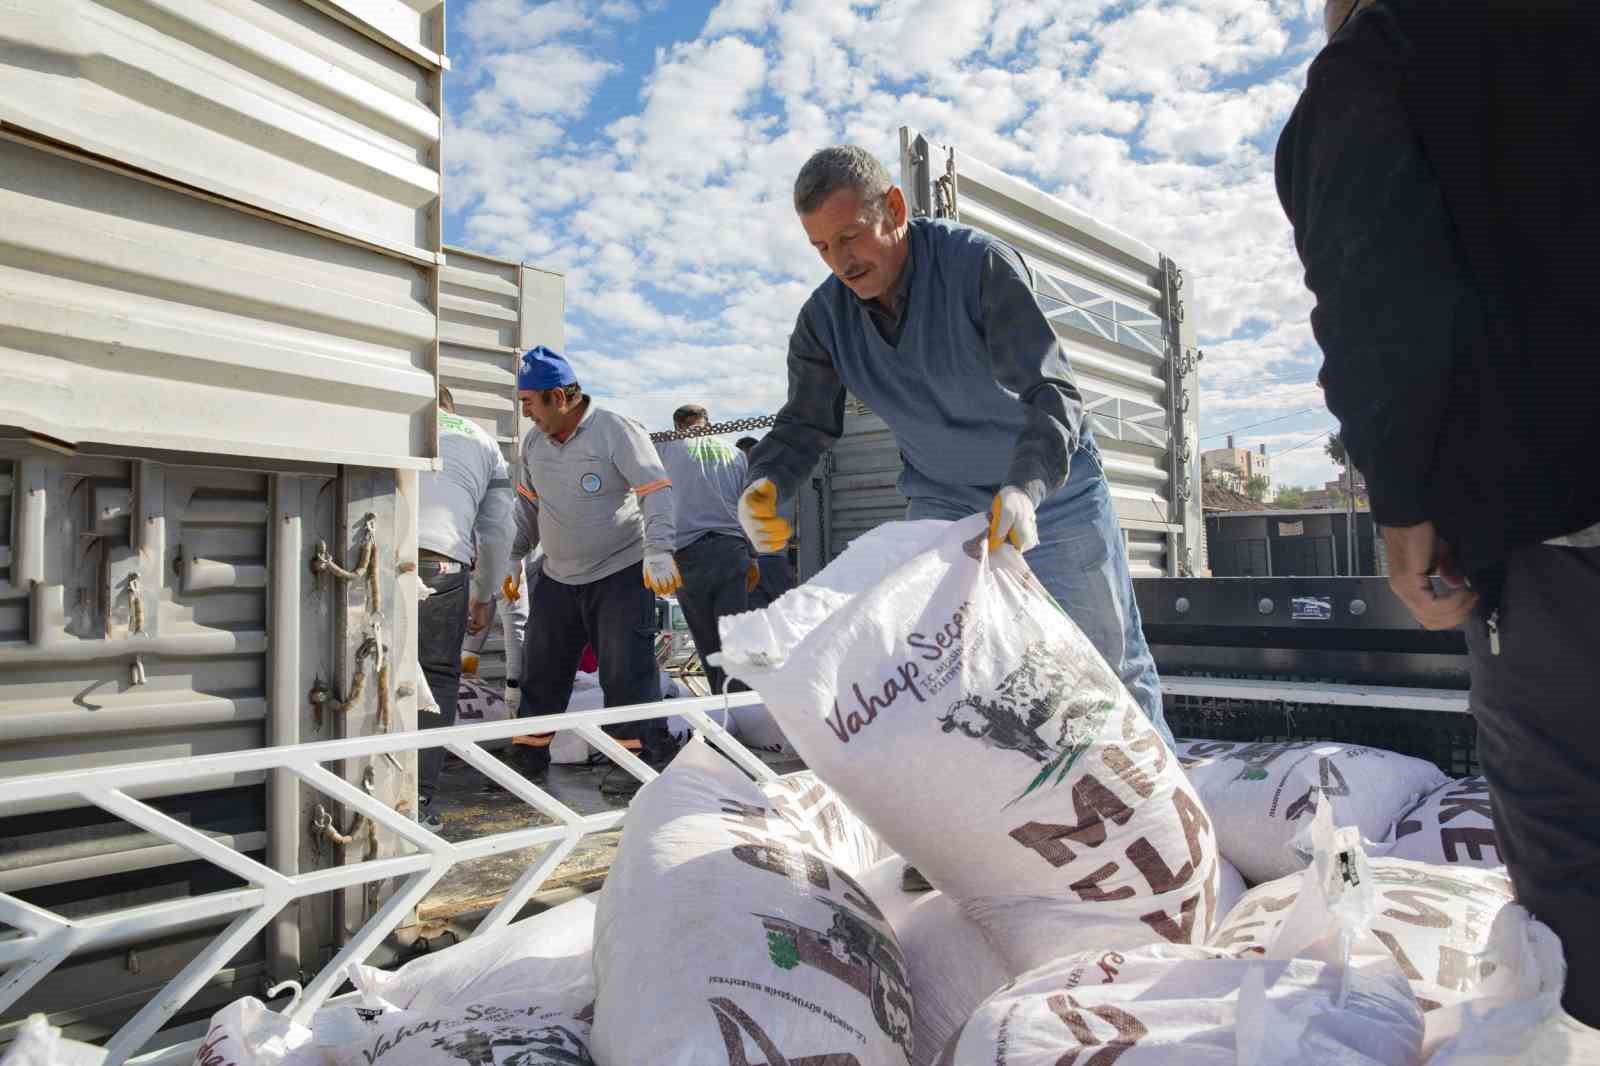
(494, 528)
(1375, 235)
(635, 455)
(1028, 360)
(809, 423)
(527, 513)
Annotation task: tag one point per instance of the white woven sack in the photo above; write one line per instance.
(721, 938)
(957, 710)
(1260, 795)
(1326, 992)
(1434, 920)
(825, 823)
(953, 966)
(1453, 825)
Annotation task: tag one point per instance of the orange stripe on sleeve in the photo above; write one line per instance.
(653, 487)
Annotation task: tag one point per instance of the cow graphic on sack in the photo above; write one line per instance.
(1046, 684)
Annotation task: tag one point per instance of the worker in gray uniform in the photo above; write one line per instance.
(777, 575)
(718, 566)
(594, 496)
(935, 327)
(463, 518)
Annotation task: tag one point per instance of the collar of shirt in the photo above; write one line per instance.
(902, 292)
(588, 413)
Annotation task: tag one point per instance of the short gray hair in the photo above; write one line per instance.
(843, 166)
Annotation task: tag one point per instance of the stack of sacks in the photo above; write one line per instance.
(1452, 826)
(1325, 994)
(952, 964)
(824, 823)
(970, 722)
(525, 992)
(1434, 920)
(721, 937)
(1261, 795)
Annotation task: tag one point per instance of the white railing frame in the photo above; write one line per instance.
(44, 939)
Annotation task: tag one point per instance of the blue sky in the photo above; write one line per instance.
(646, 149)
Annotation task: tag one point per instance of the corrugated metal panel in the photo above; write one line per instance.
(136, 315)
(491, 310)
(1113, 304)
(270, 103)
(154, 610)
(480, 341)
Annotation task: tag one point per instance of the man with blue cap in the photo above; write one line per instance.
(596, 499)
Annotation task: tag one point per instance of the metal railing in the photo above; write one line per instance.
(43, 939)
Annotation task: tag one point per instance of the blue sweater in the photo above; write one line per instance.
(967, 373)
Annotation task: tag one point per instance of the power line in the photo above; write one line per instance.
(1253, 425)
(1304, 443)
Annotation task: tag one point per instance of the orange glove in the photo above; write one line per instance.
(1012, 518)
(752, 577)
(661, 573)
(758, 516)
(511, 588)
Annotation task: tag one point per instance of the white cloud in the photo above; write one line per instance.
(686, 265)
(518, 23)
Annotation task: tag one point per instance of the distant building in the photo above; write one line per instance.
(1334, 496)
(1233, 468)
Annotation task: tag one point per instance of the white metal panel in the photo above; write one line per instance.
(270, 103)
(47, 940)
(480, 341)
(139, 316)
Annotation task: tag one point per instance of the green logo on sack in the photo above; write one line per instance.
(784, 951)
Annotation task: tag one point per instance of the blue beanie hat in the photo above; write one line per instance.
(543, 369)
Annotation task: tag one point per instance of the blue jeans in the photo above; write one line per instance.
(1080, 561)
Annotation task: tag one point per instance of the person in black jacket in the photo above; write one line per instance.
(1442, 173)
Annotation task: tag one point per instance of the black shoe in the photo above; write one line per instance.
(428, 818)
(911, 880)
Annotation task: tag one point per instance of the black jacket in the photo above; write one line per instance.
(1442, 173)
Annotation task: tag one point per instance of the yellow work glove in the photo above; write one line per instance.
(758, 516)
(752, 577)
(661, 573)
(511, 588)
(1012, 519)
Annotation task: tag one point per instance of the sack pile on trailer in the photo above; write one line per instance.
(1091, 905)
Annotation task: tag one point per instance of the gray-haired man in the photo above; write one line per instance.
(935, 327)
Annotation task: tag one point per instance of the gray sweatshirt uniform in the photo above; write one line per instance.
(596, 502)
(707, 479)
(464, 510)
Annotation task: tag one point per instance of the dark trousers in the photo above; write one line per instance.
(1539, 744)
(715, 570)
(777, 577)
(441, 627)
(617, 615)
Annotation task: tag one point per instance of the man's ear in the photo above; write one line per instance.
(895, 201)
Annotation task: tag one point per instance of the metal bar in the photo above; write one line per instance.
(532, 879)
(358, 873)
(28, 515)
(1316, 692)
(191, 979)
(147, 817)
(514, 783)
(337, 788)
(28, 874)
(620, 755)
(516, 839)
(284, 819)
(389, 916)
(16, 982)
(34, 787)
(719, 737)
